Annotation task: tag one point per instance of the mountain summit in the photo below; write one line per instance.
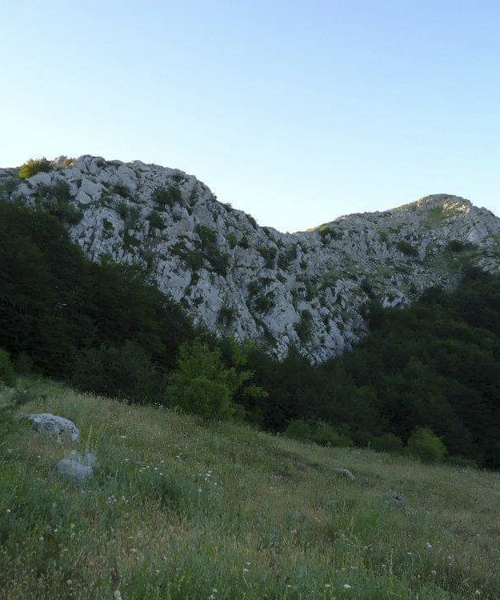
(310, 289)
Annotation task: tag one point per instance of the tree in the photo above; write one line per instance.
(426, 446)
(204, 385)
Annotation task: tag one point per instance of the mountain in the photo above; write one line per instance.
(311, 289)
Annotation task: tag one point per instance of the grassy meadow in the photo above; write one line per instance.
(181, 509)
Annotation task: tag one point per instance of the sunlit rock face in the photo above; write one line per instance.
(309, 289)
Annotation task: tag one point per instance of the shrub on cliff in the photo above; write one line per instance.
(34, 166)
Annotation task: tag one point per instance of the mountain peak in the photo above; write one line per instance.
(307, 289)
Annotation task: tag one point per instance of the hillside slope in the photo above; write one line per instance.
(309, 289)
(181, 510)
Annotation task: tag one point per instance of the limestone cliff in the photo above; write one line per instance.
(309, 288)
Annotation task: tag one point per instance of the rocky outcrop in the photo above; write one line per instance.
(57, 428)
(309, 288)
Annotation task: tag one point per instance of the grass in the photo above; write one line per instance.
(183, 510)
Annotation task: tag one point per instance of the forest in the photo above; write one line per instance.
(105, 328)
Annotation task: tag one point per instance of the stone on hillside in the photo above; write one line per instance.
(87, 458)
(74, 469)
(396, 500)
(58, 428)
(344, 472)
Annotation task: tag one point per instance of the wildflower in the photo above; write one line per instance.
(8, 511)
(428, 545)
(477, 593)
(292, 531)
(199, 490)
(433, 573)
(347, 586)
(245, 570)
(117, 595)
(328, 585)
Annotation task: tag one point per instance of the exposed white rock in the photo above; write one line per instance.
(309, 288)
(58, 428)
(77, 471)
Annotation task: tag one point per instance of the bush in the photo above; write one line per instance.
(122, 190)
(7, 374)
(388, 442)
(298, 429)
(156, 220)
(326, 435)
(304, 327)
(426, 446)
(55, 199)
(32, 167)
(203, 384)
(458, 246)
(205, 397)
(124, 372)
(406, 248)
(166, 196)
(265, 302)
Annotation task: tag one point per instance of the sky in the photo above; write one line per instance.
(296, 111)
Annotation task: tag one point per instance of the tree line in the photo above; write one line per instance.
(103, 328)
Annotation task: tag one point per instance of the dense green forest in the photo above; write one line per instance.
(104, 328)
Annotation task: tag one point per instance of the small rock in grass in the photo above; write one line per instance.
(74, 469)
(58, 428)
(88, 459)
(396, 500)
(344, 472)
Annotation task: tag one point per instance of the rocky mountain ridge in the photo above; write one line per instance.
(310, 289)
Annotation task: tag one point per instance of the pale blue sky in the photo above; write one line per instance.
(294, 111)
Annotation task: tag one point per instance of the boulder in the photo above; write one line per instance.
(87, 458)
(76, 470)
(58, 428)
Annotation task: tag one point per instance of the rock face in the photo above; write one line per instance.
(309, 289)
(58, 428)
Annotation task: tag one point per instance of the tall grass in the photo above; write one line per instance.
(179, 509)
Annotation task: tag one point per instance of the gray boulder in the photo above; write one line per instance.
(58, 428)
(87, 458)
(77, 471)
